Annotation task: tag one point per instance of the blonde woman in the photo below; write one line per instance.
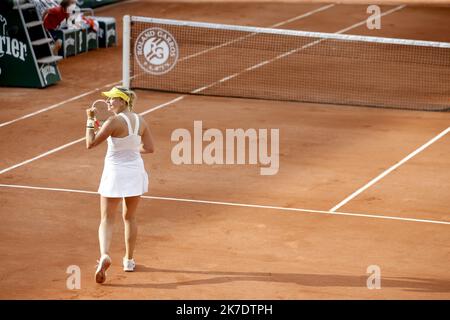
(124, 177)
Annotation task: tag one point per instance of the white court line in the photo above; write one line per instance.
(307, 14)
(83, 138)
(379, 16)
(112, 5)
(200, 89)
(162, 105)
(59, 104)
(389, 170)
(41, 155)
(288, 53)
(235, 204)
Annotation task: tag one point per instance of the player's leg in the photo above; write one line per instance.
(129, 219)
(108, 209)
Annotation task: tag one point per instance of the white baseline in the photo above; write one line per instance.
(235, 204)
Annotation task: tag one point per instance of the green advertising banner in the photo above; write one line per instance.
(17, 65)
(95, 3)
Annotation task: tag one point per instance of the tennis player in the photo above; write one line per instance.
(124, 177)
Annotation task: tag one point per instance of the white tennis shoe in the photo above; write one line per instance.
(128, 265)
(103, 264)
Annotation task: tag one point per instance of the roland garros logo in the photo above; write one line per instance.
(156, 51)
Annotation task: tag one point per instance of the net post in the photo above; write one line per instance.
(126, 52)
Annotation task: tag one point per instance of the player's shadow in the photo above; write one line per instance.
(303, 279)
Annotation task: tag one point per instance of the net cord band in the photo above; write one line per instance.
(322, 35)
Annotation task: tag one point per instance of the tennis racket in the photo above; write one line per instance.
(102, 112)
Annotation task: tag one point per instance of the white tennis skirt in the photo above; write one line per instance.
(119, 181)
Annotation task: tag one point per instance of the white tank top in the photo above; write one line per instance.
(125, 150)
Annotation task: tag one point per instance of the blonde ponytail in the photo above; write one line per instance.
(131, 95)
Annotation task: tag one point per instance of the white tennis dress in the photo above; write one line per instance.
(124, 173)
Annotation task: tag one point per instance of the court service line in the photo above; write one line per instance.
(83, 138)
(302, 16)
(112, 5)
(59, 104)
(288, 53)
(378, 16)
(42, 155)
(389, 170)
(236, 204)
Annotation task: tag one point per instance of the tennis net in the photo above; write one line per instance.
(262, 63)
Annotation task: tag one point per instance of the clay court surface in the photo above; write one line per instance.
(222, 249)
